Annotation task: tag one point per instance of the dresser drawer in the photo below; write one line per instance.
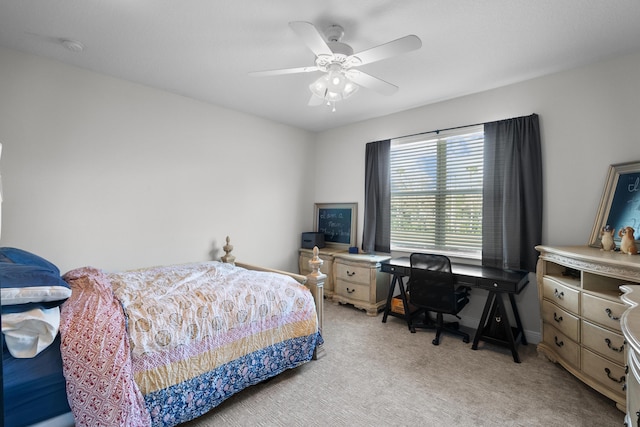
(566, 348)
(352, 291)
(563, 320)
(602, 311)
(564, 296)
(603, 341)
(353, 273)
(604, 371)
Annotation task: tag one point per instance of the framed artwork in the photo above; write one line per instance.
(620, 203)
(338, 222)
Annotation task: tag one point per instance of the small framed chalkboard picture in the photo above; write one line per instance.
(338, 222)
(620, 203)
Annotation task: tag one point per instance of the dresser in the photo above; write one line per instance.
(631, 330)
(326, 255)
(579, 288)
(359, 281)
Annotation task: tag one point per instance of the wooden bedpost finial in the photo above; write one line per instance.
(316, 262)
(228, 258)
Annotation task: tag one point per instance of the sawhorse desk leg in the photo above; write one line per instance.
(494, 326)
(403, 295)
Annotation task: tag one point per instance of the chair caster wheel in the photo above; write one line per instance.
(465, 340)
(435, 342)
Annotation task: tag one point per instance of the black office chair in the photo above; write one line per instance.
(432, 287)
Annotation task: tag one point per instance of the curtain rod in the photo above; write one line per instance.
(437, 131)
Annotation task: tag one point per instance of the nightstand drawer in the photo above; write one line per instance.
(561, 319)
(352, 290)
(603, 341)
(563, 296)
(602, 311)
(351, 273)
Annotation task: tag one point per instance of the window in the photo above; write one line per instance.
(436, 192)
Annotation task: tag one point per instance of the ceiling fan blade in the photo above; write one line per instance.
(283, 71)
(370, 82)
(311, 37)
(314, 101)
(387, 50)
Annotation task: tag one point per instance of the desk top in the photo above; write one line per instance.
(489, 278)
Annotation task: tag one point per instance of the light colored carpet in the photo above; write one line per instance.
(377, 374)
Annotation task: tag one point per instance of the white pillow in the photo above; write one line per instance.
(28, 333)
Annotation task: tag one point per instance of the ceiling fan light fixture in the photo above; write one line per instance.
(333, 86)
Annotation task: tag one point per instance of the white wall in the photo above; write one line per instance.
(589, 117)
(98, 171)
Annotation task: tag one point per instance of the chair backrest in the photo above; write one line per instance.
(432, 284)
(430, 262)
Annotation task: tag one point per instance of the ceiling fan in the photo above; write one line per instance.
(337, 61)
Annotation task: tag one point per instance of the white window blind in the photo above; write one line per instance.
(436, 192)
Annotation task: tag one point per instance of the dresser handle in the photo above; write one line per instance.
(558, 343)
(351, 273)
(559, 295)
(611, 316)
(556, 318)
(350, 291)
(619, 381)
(619, 350)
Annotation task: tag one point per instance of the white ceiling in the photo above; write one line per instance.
(204, 49)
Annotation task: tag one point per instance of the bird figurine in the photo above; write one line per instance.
(627, 242)
(606, 238)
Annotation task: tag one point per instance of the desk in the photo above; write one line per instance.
(494, 326)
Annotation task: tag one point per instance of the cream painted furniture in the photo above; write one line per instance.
(326, 255)
(359, 281)
(630, 323)
(579, 292)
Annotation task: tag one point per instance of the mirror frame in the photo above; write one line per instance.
(329, 241)
(621, 187)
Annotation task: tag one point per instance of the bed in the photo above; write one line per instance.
(163, 345)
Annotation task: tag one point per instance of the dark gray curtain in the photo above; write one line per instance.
(376, 236)
(512, 194)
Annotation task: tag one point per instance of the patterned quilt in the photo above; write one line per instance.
(161, 346)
